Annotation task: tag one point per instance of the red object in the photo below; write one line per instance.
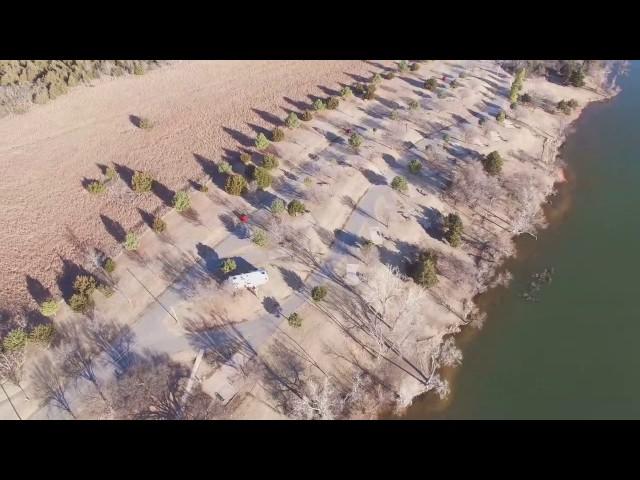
(244, 218)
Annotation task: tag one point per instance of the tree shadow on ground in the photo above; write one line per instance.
(210, 169)
(272, 306)
(70, 271)
(292, 279)
(37, 290)
(125, 173)
(242, 138)
(377, 65)
(268, 117)
(328, 91)
(136, 120)
(208, 256)
(301, 106)
(114, 228)
(414, 82)
(147, 217)
(258, 129)
(391, 161)
(373, 177)
(432, 222)
(164, 193)
(357, 78)
(228, 221)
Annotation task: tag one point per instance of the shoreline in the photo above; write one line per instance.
(553, 213)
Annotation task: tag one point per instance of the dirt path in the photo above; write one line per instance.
(206, 109)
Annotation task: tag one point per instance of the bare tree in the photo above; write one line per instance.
(472, 186)
(319, 401)
(11, 367)
(154, 388)
(49, 386)
(526, 192)
(78, 362)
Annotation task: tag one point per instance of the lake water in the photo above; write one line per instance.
(574, 354)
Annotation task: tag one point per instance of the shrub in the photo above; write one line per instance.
(261, 142)
(294, 320)
(370, 92)
(424, 270)
(159, 225)
(573, 103)
(393, 115)
(42, 334)
(270, 161)
(319, 293)
(84, 284)
(564, 107)
(111, 173)
(346, 92)
(79, 303)
(492, 163)
(400, 184)
(415, 166)
(307, 116)
(377, 78)
(501, 116)
(15, 340)
(577, 78)
(292, 120)
(388, 75)
(49, 308)
(96, 187)
(224, 167)
(138, 69)
(277, 135)
(203, 188)
(228, 265)
(453, 229)
(181, 201)
(525, 98)
(413, 104)
(109, 265)
(277, 206)
(131, 242)
(245, 158)
(141, 182)
(307, 181)
(355, 140)
(454, 83)
(145, 123)
(431, 84)
(513, 105)
(414, 67)
(259, 237)
(446, 137)
(319, 105)
(295, 207)
(333, 103)
(235, 185)
(262, 177)
(403, 65)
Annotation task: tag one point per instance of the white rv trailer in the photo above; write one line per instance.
(249, 280)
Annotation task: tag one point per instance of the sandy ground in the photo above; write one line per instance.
(199, 108)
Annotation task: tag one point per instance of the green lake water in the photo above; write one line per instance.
(575, 354)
